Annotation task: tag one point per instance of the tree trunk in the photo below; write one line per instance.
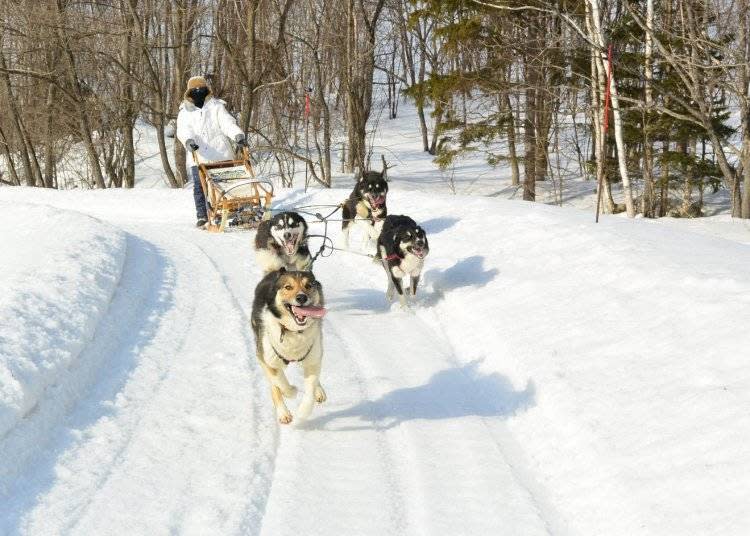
(16, 123)
(664, 196)
(687, 190)
(529, 138)
(744, 75)
(598, 90)
(84, 123)
(510, 132)
(647, 201)
(598, 37)
(11, 166)
(745, 212)
(420, 101)
(49, 156)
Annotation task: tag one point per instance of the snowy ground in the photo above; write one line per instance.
(400, 142)
(555, 377)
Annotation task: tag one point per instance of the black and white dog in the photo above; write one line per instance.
(402, 247)
(365, 206)
(281, 242)
(286, 321)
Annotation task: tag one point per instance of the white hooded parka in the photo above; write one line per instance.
(210, 127)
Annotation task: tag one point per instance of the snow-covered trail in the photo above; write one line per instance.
(174, 427)
(402, 445)
(556, 377)
(174, 433)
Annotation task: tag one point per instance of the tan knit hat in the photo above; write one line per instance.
(194, 82)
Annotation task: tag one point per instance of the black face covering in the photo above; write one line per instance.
(198, 95)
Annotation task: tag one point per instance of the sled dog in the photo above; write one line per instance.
(286, 321)
(365, 206)
(282, 242)
(402, 247)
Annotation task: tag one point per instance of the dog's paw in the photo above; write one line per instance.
(401, 307)
(285, 417)
(291, 392)
(320, 395)
(304, 410)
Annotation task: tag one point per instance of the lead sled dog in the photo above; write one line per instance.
(286, 321)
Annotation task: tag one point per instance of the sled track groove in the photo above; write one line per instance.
(319, 471)
(504, 442)
(402, 358)
(252, 520)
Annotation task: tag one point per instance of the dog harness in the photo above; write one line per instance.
(287, 361)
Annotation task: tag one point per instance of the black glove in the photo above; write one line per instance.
(190, 144)
(240, 140)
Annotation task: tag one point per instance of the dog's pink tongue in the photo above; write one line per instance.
(310, 310)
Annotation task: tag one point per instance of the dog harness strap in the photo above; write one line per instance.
(287, 361)
(392, 257)
(281, 334)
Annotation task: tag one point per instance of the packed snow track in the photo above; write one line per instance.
(474, 412)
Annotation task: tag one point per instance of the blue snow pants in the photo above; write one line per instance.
(198, 196)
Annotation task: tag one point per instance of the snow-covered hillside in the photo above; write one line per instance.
(554, 377)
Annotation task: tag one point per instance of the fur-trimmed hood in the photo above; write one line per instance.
(194, 82)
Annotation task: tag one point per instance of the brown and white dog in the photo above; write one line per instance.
(286, 321)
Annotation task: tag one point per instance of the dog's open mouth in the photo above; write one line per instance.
(302, 313)
(419, 252)
(376, 202)
(290, 245)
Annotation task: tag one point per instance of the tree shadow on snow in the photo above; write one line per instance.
(449, 394)
(438, 225)
(468, 272)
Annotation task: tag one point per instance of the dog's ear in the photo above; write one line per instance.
(318, 286)
(272, 293)
(314, 283)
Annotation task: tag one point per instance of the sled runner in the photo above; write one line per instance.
(235, 198)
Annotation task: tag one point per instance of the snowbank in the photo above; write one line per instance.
(58, 271)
